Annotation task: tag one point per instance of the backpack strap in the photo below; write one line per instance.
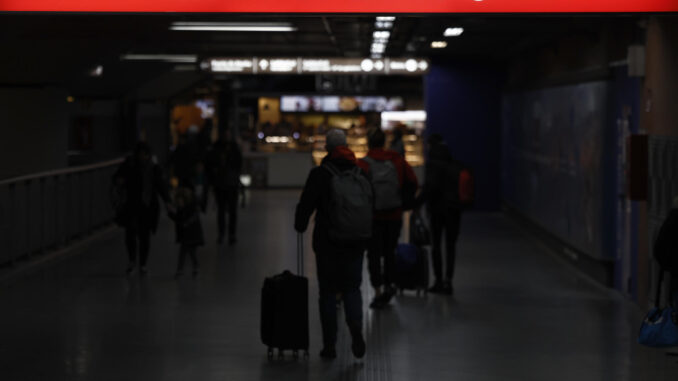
(331, 168)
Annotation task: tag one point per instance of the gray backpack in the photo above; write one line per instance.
(384, 178)
(350, 206)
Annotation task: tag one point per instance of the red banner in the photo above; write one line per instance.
(343, 6)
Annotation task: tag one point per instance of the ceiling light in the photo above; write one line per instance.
(385, 18)
(453, 32)
(180, 58)
(232, 27)
(383, 24)
(98, 71)
(381, 34)
(438, 44)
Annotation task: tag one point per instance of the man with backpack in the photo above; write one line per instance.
(447, 189)
(341, 196)
(666, 250)
(393, 182)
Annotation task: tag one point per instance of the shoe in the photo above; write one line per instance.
(448, 289)
(357, 344)
(143, 271)
(328, 353)
(437, 288)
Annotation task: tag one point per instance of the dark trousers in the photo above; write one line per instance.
(187, 250)
(382, 246)
(138, 237)
(227, 201)
(339, 273)
(448, 222)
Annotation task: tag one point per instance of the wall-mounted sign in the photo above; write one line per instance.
(335, 103)
(262, 65)
(343, 6)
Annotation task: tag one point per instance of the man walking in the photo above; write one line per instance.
(340, 195)
(393, 181)
(224, 164)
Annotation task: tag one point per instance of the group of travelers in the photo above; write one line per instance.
(359, 207)
(140, 184)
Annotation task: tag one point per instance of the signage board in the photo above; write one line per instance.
(306, 65)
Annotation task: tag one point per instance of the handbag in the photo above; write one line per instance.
(420, 234)
(660, 326)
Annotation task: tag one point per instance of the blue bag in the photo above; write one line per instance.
(660, 326)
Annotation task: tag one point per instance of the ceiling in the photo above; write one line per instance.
(60, 49)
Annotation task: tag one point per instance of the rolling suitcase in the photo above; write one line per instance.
(284, 310)
(411, 268)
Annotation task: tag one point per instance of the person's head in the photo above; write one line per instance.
(376, 138)
(335, 138)
(142, 152)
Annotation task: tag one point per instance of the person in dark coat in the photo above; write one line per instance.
(441, 195)
(224, 164)
(666, 250)
(143, 184)
(186, 216)
(387, 223)
(339, 266)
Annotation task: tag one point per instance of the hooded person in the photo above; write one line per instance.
(339, 258)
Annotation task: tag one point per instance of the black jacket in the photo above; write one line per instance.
(315, 198)
(441, 183)
(136, 211)
(224, 164)
(666, 245)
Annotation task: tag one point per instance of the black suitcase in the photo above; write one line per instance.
(411, 268)
(284, 310)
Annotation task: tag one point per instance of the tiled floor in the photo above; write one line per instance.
(518, 314)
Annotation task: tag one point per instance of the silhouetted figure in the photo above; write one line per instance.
(143, 183)
(186, 216)
(441, 195)
(339, 240)
(224, 164)
(397, 144)
(666, 250)
(393, 182)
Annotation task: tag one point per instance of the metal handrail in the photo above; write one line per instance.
(49, 209)
(64, 171)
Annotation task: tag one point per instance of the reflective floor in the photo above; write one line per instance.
(518, 314)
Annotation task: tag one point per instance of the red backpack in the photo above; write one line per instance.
(465, 187)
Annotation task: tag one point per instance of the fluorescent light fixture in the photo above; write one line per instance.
(404, 116)
(232, 27)
(453, 32)
(383, 24)
(381, 35)
(378, 45)
(386, 18)
(438, 44)
(178, 58)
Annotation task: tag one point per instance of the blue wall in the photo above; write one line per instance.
(463, 105)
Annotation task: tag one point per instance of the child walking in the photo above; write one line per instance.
(186, 218)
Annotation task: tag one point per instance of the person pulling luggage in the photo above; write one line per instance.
(341, 197)
(394, 183)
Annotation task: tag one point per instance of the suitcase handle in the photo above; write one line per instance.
(300, 254)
